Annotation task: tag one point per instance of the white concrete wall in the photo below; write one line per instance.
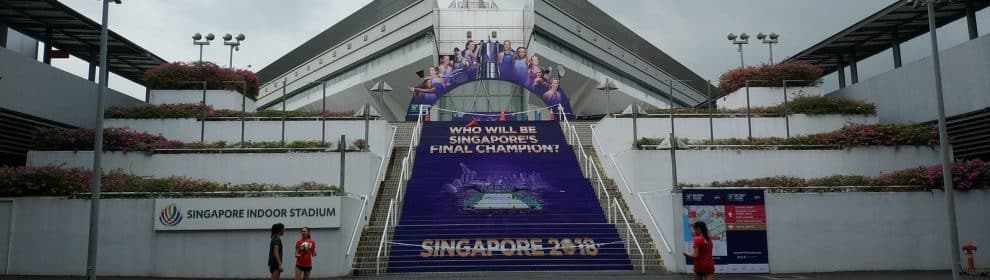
(33, 88)
(907, 94)
(274, 168)
(648, 170)
(857, 231)
(187, 130)
(619, 130)
(219, 99)
(50, 236)
(764, 96)
(871, 231)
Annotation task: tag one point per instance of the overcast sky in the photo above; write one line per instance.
(691, 31)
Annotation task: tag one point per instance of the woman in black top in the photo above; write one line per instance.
(275, 251)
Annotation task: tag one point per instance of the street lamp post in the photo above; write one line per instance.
(234, 46)
(607, 86)
(243, 104)
(94, 205)
(943, 142)
(670, 102)
(769, 41)
(739, 41)
(381, 87)
(196, 41)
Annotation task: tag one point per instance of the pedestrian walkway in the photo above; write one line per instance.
(887, 275)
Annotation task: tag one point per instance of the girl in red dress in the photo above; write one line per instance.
(305, 251)
(704, 264)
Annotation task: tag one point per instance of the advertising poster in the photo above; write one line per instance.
(487, 60)
(737, 225)
(487, 193)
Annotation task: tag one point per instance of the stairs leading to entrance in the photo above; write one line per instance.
(651, 258)
(365, 255)
(568, 233)
(509, 211)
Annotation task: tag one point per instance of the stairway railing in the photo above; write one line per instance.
(395, 204)
(375, 185)
(597, 143)
(572, 137)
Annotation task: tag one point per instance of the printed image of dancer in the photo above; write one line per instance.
(520, 65)
(505, 60)
(552, 96)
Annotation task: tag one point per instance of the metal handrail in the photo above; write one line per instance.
(654, 221)
(357, 222)
(375, 185)
(393, 207)
(622, 176)
(663, 239)
(642, 257)
(378, 257)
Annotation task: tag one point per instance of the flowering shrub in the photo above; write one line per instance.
(180, 75)
(114, 139)
(644, 141)
(966, 175)
(162, 111)
(360, 144)
(195, 110)
(851, 135)
(770, 76)
(56, 181)
(820, 105)
(810, 105)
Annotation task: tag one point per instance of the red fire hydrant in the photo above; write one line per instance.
(970, 248)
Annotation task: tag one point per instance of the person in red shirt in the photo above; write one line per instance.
(305, 251)
(704, 264)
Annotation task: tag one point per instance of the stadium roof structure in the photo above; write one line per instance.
(367, 16)
(622, 35)
(53, 22)
(895, 24)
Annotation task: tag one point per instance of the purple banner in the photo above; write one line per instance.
(486, 195)
(487, 60)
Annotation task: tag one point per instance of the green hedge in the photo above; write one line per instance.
(196, 111)
(810, 105)
(56, 181)
(966, 175)
(852, 135)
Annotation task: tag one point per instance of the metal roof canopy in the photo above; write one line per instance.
(77, 34)
(876, 33)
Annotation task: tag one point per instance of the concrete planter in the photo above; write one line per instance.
(188, 130)
(651, 169)
(286, 169)
(219, 99)
(764, 96)
(619, 130)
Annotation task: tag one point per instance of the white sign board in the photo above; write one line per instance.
(246, 213)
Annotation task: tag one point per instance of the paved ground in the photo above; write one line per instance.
(906, 275)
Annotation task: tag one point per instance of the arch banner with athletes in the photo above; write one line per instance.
(488, 60)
